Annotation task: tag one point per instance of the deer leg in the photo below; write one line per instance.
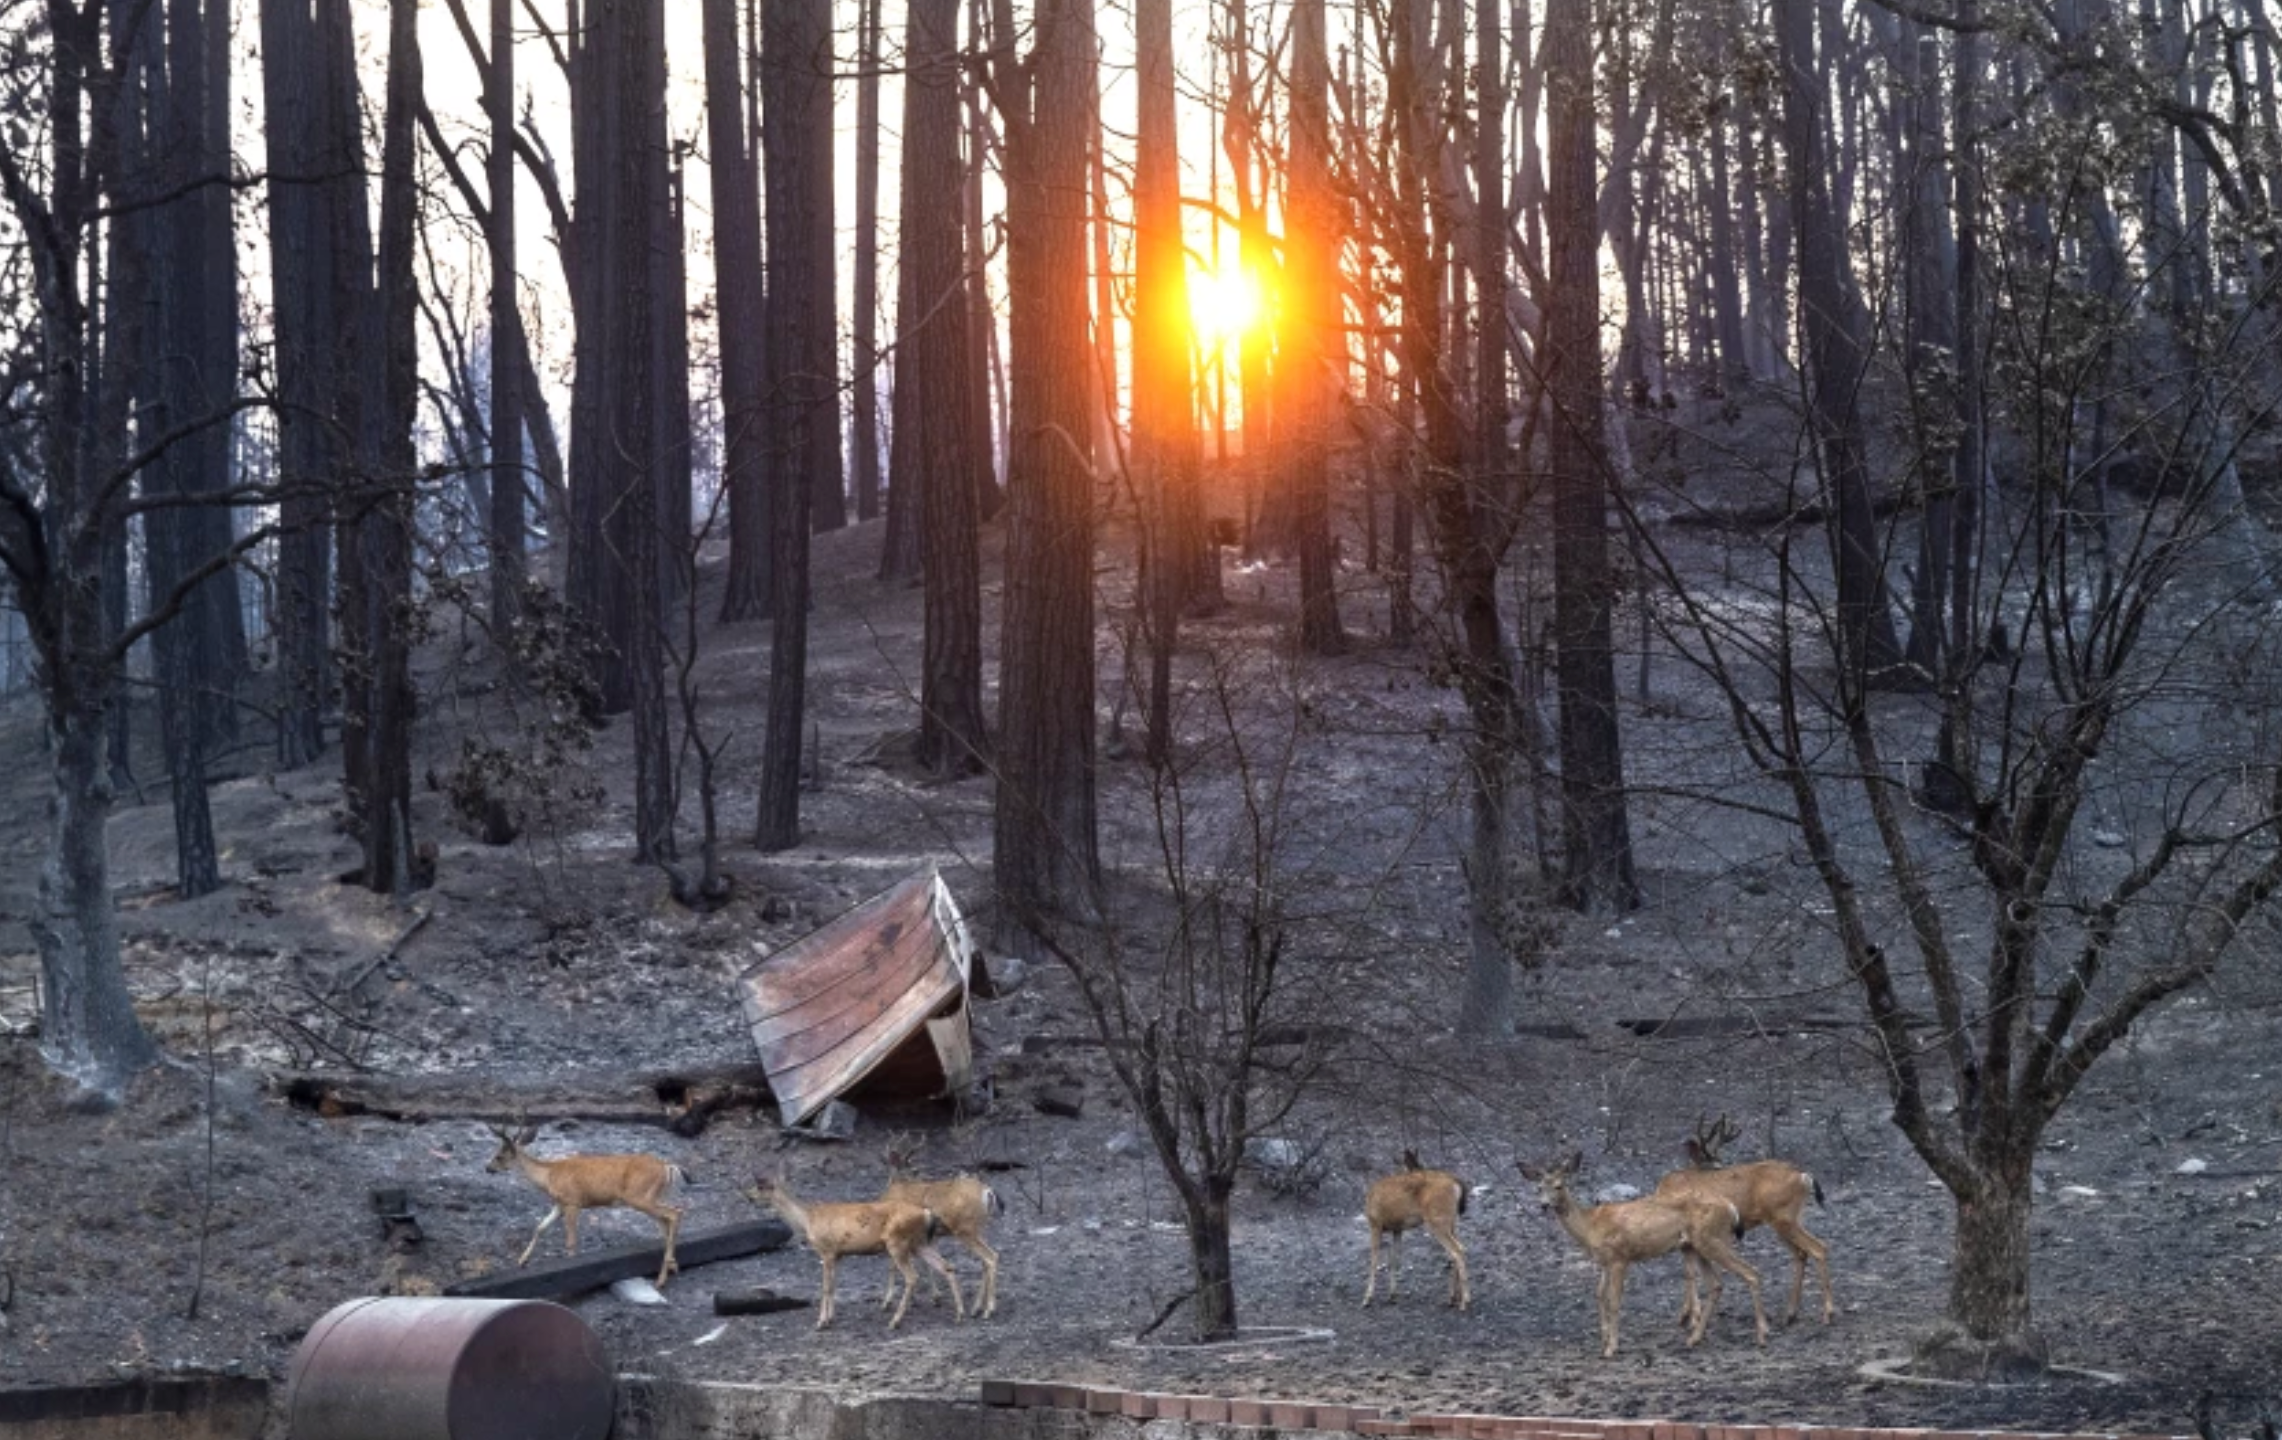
(1805, 1247)
(942, 1267)
(570, 1229)
(1371, 1270)
(1612, 1306)
(1734, 1265)
(1394, 1266)
(824, 1301)
(989, 1258)
(1461, 1294)
(669, 1221)
(903, 1268)
(549, 1218)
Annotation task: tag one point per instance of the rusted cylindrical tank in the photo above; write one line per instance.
(401, 1367)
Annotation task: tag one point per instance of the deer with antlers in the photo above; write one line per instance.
(1619, 1236)
(1772, 1193)
(860, 1227)
(962, 1206)
(592, 1182)
(1415, 1197)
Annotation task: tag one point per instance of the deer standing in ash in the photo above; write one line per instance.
(1772, 1193)
(1416, 1198)
(962, 1206)
(860, 1227)
(1621, 1235)
(592, 1182)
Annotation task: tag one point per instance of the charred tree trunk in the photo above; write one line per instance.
(386, 530)
(866, 424)
(1832, 360)
(797, 153)
(1164, 418)
(737, 288)
(301, 296)
(504, 532)
(1314, 365)
(1047, 856)
(1597, 870)
(195, 347)
(650, 415)
(942, 442)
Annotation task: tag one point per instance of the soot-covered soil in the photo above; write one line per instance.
(558, 955)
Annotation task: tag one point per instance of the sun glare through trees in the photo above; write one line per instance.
(1378, 547)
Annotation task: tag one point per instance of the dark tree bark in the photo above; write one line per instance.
(605, 514)
(982, 320)
(504, 538)
(737, 288)
(952, 736)
(1313, 365)
(303, 325)
(817, 377)
(353, 379)
(1930, 339)
(866, 425)
(804, 402)
(1267, 521)
(651, 417)
(1470, 528)
(1597, 870)
(1724, 261)
(385, 531)
(1489, 251)
(1832, 357)
(52, 540)
(1044, 828)
(1165, 460)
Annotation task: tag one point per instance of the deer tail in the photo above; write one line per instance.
(992, 1205)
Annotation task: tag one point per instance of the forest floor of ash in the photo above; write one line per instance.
(557, 954)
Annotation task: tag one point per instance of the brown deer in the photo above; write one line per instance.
(1772, 1193)
(962, 1206)
(1416, 1197)
(592, 1182)
(861, 1227)
(1622, 1235)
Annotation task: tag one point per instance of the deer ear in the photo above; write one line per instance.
(1575, 1162)
(530, 1133)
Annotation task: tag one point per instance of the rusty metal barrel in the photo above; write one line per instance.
(400, 1367)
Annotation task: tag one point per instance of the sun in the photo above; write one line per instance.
(1224, 302)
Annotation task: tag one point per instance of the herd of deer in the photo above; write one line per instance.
(1701, 1212)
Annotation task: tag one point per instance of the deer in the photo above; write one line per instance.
(962, 1206)
(1619, 1236)
(1416, 1197)
(860, 1227)
(1772, 1193)
(592, 1182)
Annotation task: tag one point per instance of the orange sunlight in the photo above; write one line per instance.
(1223, 302)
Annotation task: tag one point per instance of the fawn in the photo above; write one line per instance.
(1622, 1235)
(863, 1227)
(592, 1182)
(1431, 1200)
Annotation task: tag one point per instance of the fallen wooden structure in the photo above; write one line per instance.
(596, 1268)
(681, 1099)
